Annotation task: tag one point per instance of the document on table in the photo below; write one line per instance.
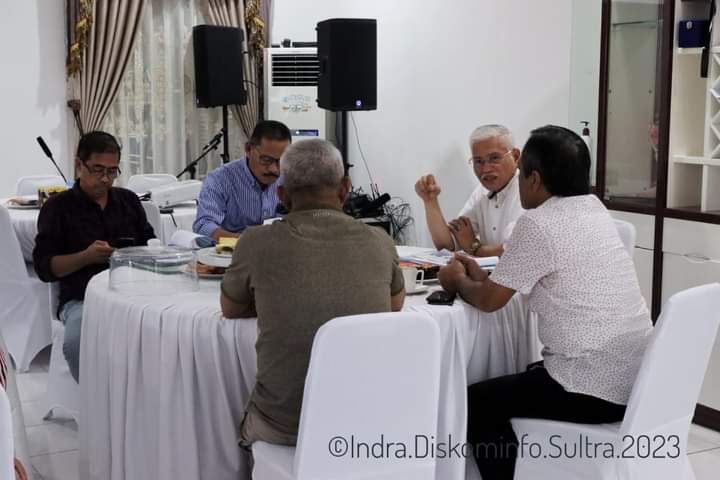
(434, 257)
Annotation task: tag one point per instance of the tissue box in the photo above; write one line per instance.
(692, 33)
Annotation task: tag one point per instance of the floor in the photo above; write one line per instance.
(53, 444)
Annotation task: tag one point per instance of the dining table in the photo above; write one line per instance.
(165, 378)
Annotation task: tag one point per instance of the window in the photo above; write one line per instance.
(154, 114)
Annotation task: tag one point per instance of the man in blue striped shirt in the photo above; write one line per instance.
(244, 192)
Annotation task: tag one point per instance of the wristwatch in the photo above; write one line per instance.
(474, 246)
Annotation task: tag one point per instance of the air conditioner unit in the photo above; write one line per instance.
(291, 92)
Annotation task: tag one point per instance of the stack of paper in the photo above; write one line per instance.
(424, 255)
(435, 257)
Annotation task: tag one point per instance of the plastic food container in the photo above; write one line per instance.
(153, 271)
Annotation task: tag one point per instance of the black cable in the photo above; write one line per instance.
(399, 214)
(373, 186)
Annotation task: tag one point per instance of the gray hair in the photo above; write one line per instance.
(311, 164)
(486, 132)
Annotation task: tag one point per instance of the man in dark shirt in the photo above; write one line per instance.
(79, 229)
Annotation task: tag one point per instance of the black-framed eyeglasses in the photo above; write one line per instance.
(266, 160)
(99, 171)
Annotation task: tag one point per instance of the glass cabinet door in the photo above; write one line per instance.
(633, 101)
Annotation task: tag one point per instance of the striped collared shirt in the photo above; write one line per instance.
(233, 200)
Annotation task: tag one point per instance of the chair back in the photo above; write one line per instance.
(144, 182)
(626, 230)
(152, 212)
(29, 185)
(7, 445)
(672, 371)
(372, 379)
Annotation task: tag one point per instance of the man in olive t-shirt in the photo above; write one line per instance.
(299, 273)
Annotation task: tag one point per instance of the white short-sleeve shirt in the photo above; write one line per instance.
(493, 216)
(592, 319)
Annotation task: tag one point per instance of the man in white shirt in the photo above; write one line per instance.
(566, 255)
(488, 217)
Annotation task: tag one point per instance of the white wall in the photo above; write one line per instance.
(444, 68)
(32, 89)
(585, 67)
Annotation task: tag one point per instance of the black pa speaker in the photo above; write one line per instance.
(347, 52)
(218, 66)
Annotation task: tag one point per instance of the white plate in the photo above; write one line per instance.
(15, 206)
(221, 255)
(211, 276)
(208, 256)
(206, 276)
(418, 289)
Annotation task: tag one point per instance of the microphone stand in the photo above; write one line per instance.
(192, 166)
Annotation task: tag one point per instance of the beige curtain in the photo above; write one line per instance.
(247, 15)
(78, 18)
(110, 39)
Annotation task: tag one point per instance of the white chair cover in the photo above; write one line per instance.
(627, 235)
(24, 300)
(144, 182)
(63, 390)
(660, 409)
(29, 185)
(369, 375)
(21, 451)
(7, 445)
(152, 212)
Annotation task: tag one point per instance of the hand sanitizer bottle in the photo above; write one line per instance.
(588, 141)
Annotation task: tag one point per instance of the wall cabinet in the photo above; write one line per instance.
(691, 257)
(658, 153)
(643, 254)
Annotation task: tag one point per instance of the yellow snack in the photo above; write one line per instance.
(46, 192)
(226, 244)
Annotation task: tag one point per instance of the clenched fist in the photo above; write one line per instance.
(427, 189)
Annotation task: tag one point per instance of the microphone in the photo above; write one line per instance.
(47, 151)
(44, 146)
(215, 140)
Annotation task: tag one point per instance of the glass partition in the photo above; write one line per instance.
(633, 101)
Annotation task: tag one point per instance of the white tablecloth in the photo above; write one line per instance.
(25, 224)
(164, 380)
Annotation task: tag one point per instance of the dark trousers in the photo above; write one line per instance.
(531, 394)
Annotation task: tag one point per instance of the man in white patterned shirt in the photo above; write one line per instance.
(565, 253)
(244, 192)
(487, 219)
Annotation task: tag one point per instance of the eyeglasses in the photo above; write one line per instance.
(492, 159)
(266, 160)
(99, 171)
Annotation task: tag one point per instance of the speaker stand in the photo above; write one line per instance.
(226, 143)
(342, 117)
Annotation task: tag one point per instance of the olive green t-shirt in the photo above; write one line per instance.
(299, 273)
